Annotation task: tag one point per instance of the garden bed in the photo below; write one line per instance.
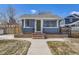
(14, 47)
(61, 48)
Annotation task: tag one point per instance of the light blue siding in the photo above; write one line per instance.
(28, 30)
(51, 30)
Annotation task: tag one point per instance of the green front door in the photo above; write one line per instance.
(38, 25)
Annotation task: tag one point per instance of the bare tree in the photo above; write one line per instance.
(3, 17)
(11, 12)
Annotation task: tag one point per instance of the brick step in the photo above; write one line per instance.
(38, 35)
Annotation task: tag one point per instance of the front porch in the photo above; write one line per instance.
(40, 25)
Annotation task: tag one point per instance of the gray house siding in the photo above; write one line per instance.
(31, 26)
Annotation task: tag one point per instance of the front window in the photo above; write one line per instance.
(50, 23)
(27, 23)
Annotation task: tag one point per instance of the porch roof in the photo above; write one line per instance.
(40, 16)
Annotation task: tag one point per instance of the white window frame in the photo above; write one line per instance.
(26, 26)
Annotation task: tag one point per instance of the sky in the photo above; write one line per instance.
(62, 10)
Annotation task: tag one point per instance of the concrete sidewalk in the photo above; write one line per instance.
(39, 47)
(7, 36)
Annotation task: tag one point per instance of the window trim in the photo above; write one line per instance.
(26, 26)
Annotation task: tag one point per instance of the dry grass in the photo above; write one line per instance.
(74, 43)
(14, 47)
(61, 48)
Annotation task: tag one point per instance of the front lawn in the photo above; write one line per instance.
(61, 48)
(14, 47)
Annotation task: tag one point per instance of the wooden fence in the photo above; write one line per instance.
(11, 29)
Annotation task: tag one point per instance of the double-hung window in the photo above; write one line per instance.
(50, 23)
(27, 23)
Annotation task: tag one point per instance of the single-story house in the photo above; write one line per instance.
(41, 22)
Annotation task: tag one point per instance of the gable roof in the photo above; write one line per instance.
(72, 16)
(39, 16)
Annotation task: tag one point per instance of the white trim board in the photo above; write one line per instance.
(50, 27)
(28, 27)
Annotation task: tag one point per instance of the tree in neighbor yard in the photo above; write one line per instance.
(3, 17)
(11, 13)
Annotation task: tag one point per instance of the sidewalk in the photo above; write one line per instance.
(39, 47)
(7, 36)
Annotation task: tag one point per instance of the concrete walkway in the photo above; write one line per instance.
(39, 47)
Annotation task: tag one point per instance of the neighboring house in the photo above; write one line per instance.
(41, 22)
(75, 26)
(73, 22)
(71, 19)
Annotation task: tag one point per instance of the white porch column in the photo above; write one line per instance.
(41, 25)
(57, 23)
(35, 25)
(24, 24)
